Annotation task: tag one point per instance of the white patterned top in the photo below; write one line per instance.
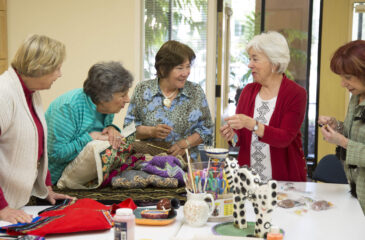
(260, 152)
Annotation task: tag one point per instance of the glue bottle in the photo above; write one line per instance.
(274, 234)
(124, 222)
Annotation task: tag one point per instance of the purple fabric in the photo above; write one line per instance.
(165, 166)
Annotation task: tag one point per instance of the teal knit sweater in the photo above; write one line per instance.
(70, 118)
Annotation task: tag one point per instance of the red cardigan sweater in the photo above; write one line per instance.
(283, 132)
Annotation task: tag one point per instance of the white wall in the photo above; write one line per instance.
(92, 30)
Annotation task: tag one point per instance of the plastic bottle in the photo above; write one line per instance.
(124, 223)
(274, 234)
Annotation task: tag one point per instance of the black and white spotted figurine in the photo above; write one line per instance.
(247, 185)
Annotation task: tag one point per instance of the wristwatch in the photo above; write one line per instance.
(256, 127)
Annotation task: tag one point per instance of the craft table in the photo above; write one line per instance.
(345, 220)
(141, 232)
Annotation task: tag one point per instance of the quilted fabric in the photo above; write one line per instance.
(166, 166)
(109, 195)
(75, 177)
(102, 163)
(140, 179)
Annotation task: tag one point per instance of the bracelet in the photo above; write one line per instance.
(187, 143)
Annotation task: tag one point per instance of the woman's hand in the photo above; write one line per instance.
(331, 136)
(227, 132)
(15, 215)
(178, 148)
(114, 136)
(329, 121)
(53, 196)
(239, 121)
(161, 131)
(98, 136)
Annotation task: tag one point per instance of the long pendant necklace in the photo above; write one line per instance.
(167, 101)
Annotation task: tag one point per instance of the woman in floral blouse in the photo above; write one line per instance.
(170, 108)
(349, 62)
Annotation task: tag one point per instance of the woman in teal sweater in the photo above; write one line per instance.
(81, 115)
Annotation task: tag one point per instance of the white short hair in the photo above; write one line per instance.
(274, 46)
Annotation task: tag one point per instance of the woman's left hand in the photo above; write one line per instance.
(331, 136)
(114, 137)
(176, 149)
(239, 121)
(53, 196)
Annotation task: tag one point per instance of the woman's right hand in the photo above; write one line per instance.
(14, 215)
(227, 132)
(161, 131)
(99, 136)
(326, 120)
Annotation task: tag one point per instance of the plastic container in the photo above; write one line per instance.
(217, 185)
(124, 223)
(274, 234)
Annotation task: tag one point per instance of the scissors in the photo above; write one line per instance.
(222, 185)
(212, 183)
(198, 184)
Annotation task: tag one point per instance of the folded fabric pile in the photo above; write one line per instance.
(132, 179)
(166, 166)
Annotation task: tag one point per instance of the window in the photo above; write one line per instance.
(186, 21)
(299, 23)
(181, 20)
(358, 25)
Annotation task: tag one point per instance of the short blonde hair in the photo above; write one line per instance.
(274, 46)
(39, 55)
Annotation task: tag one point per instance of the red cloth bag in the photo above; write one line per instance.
(69, 217)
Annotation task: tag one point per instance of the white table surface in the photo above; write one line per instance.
(344, 220)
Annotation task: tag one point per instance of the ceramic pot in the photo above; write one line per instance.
(197, 210)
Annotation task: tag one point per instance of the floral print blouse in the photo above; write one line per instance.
(189, 112)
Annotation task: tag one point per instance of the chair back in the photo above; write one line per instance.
(330, 170)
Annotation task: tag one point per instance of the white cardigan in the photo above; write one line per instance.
(19, 176)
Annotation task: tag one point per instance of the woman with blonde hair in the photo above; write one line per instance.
(23, 132)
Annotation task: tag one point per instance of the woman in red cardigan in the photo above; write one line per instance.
(269, 114)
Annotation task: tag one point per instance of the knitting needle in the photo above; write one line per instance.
(189, 168)
(161, 148)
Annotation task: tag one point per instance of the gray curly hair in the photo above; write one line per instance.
(106, 78)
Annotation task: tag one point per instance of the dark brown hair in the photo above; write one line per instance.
(350, 59)
(171, 54)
